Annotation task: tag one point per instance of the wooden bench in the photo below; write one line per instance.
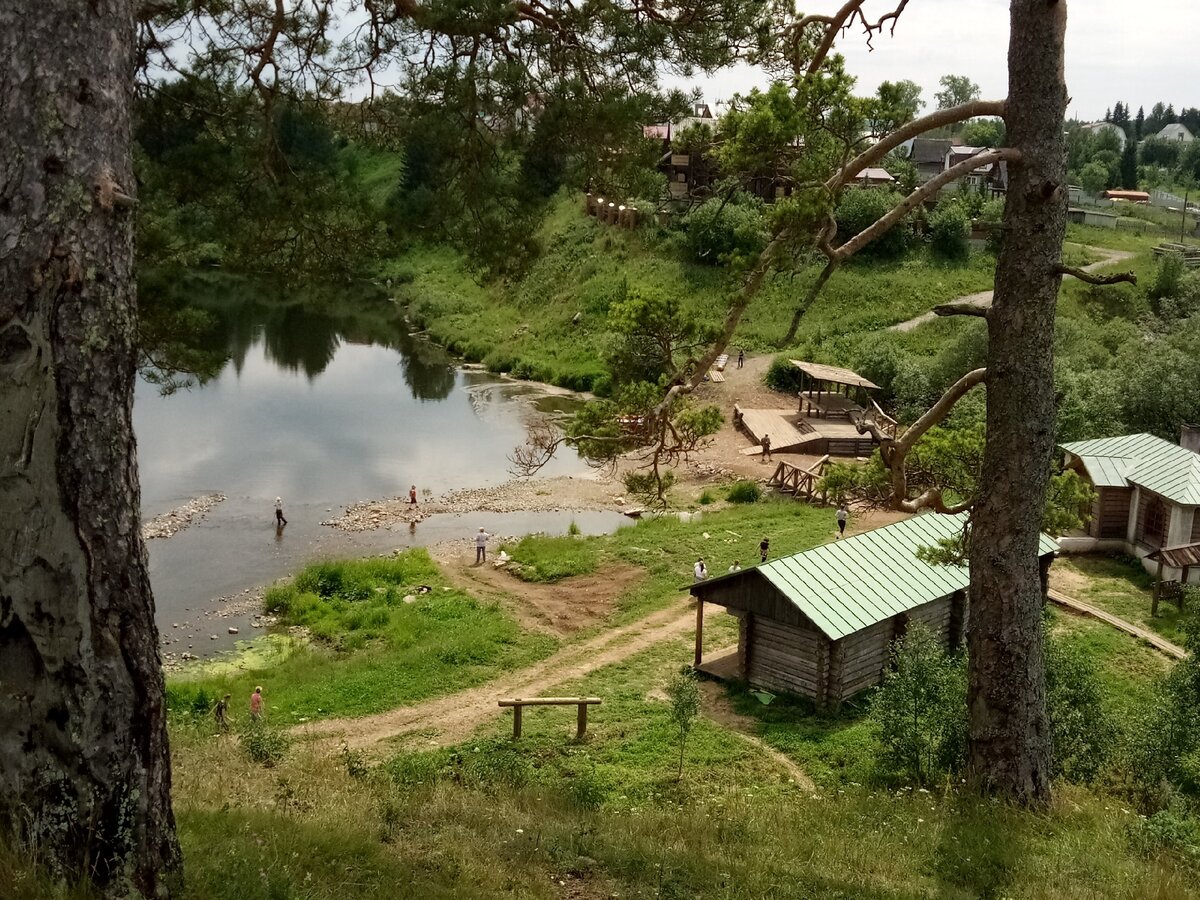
(519, 703)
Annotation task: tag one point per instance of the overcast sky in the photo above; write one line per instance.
(1137, 51)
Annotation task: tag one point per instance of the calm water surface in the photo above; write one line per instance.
(325, 399)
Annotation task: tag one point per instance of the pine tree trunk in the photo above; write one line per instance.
(84, 766)
(1009, 733)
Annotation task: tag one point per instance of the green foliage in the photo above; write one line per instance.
(1082, 731)
(782, 376)
(744, 492)
(984, 133)
(657, 335)
(1095, 177)
(860, 208)
(720, 233)
(949, 228)
(919, 712)
(540, 558)
(683, 693)
(956, 90)
(263, 744)
(1167, 278)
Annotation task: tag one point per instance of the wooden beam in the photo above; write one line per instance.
(517, 722)
(581, 722)
(699, 632)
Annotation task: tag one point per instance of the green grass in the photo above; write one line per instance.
(540, 558)
(1119, 585)
(371, 650)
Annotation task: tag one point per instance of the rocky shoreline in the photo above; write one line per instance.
(171, 523)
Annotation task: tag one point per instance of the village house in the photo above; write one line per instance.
(820, 623)
(1097, 128)
(1147, 495)
(933, 156)
(1176, 133)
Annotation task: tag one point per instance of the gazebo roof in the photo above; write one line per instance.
(834, 375)
(1180, 557)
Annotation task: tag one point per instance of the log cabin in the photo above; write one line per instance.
(820, 623)
(1147, 497)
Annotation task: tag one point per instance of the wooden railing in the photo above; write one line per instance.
(797, 481)
(518, 704)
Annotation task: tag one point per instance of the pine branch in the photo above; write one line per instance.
(1091, 278)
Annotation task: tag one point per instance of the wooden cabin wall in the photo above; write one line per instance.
(786, 658)
(864, 654)
(1110, 513)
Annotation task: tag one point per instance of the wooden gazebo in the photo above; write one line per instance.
(1184, 558)
(828, 392)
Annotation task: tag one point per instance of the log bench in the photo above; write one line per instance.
(519, 703)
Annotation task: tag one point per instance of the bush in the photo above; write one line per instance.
(264, 745)
(707, 497)
(860, 208)
(724, 234)
(783, 376)
(949, 229)
(919, 714)
(744, 492)
(992, 214)
(1080, 726)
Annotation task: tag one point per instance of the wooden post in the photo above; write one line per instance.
(1157, 589)
(581, 722)
(699, 632)
(517, 721)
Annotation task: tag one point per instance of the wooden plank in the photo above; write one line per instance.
(1156, 641)
(548, 701)
(716, 375)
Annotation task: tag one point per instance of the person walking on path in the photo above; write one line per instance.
(256, 704)
(842, 515)
(280, 521)
(219, 712)
(481, 539)
(766, 447)
(763, 547)
(412, 495)
(741, 358)
(700, 570)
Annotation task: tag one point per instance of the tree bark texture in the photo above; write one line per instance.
(1009, 750)
(84, 766)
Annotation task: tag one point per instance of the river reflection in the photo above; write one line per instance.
(324, 399)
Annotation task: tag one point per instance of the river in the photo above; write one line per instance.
(324, 399)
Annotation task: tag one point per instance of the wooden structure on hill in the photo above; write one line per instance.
(827, 392)
(797, 481)
(793, 433)
(820, 623)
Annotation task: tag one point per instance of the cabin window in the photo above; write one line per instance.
(1153, 522)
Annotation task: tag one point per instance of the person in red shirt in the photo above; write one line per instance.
(412, 495)
(256, 704)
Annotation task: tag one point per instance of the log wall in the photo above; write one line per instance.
(786, 658)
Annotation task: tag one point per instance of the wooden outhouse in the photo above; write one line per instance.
(820, 623)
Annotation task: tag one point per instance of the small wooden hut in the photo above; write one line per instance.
(820, 623)
(828, 392)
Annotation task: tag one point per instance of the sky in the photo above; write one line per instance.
(1136, 51)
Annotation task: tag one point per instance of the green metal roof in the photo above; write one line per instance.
(849, 585)
(1169, 470)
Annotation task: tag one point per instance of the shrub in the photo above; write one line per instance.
(264, 745)
(707, 497)
(992, 214)
(1081, 728)
(783, 376)
(744, 492)
(949, 228)
(860, 208)
(720, 233)
(919, 714)
(683, 693)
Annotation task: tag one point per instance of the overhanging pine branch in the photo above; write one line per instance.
(962, 309)
(1092, 278)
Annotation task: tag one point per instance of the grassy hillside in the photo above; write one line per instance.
(525, 325)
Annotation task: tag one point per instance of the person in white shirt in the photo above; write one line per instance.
(736, 567)
(842, 515)
(280, 521)
(481, 539)
(700, 570)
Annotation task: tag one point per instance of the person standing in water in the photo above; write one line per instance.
(280, 521)
(412, 495)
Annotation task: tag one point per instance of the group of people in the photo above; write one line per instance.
(700, 570)
(221, 710)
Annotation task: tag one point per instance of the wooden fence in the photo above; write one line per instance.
(797, 481)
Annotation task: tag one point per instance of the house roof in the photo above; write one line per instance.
(929, 150)
(1175, 132)
(848, 585)
(834, 374)
(1171, 471)
(874, 173)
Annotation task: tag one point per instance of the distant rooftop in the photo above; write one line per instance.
(1171, 471)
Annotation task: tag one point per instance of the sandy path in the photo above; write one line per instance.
(452, 718)
(984, 298)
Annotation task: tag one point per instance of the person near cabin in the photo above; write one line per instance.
(842, 515)
(763, 548)
(700, 570)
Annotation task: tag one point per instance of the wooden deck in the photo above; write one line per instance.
(721, 665)
(792, 433)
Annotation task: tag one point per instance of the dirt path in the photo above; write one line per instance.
(1157, 641)
(452, 718)
(983, 299)
(715, 704)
